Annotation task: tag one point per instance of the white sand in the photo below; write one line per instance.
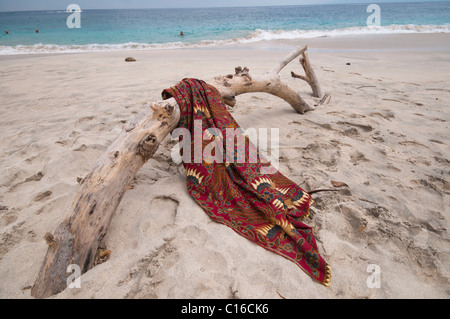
(385, 133)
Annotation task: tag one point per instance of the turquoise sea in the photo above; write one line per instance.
(108, 30)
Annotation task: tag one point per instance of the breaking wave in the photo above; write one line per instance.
(263, 35)
(256, 36)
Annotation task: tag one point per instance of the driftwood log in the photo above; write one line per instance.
(80, 235)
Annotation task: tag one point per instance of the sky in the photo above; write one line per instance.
(18, 5)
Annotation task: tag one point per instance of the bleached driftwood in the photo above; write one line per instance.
(241, 82)
(80, 234)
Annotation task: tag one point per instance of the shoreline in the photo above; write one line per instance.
(344, 43)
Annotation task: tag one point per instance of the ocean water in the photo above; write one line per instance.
(108, 30)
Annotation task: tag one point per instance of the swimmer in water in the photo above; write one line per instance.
(6, 32)
(181, 33)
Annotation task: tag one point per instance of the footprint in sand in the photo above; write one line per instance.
(161, 215)
(34, 178)
(364, 127)
(357, 157)
(354, 130)
(11, 238)
(355, 221)
(7, 216)
(377, 137)
(166, 205)
(84, 119)
(351, 132)
(442, 160)
(42, 196)
(150, 271)
(70, 141)
(387, 115)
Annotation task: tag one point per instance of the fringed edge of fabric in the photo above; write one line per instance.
(327, 279)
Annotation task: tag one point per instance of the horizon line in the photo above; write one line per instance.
(219, 7)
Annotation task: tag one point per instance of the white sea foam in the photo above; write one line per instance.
(256, 36)
(264, 35)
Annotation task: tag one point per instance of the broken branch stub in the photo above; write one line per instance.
(310, 76)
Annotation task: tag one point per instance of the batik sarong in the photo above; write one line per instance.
(266, 208)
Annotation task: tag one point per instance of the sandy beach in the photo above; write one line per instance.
(385, 133)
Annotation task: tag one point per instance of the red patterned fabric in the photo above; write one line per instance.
(265, 208)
